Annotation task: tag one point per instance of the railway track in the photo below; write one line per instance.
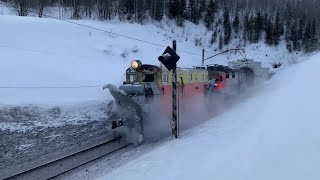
(63, 164)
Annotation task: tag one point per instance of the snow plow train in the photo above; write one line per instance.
(146, 92)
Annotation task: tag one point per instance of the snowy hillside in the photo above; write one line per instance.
(272, 135)
(47, 61)
(50, 53)
(51, 64)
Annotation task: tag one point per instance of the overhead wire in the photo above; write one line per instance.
(49, 87)
(48, 52)
(117, 34)
(228, 50)
(102, 30)
(45, 51)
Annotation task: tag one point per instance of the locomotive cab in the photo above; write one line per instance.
(141, 81)
(140, 73)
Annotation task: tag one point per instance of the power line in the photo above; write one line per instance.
(124, 36)
(49, 87)
(236, 50)
(128, 37)
(167, 30)
(45, 52)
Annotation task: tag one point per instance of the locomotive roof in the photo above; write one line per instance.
(185, 69)
(145, 68)
(155, 68)
(149, 67)
(217, 67)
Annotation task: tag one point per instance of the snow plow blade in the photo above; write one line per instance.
(129, 113)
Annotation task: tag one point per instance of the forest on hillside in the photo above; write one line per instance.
(295, 21)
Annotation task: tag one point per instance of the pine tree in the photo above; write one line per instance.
(140, 10)
(314, 34)
(180, 11)
(288, 19)
(210, 14)
(158, 10)
(301, 28)
(202, 8)
(193, 12)
(250, 28)
(257, 27)
(269, 32)
(213, 37)
(265, 21)
(246, 28)
(278, 29)
(236, 23)
(294, 37)
(220, 42)
(128, 8)
(173, 8)
(288, 14)
(310, 39)
(307, 36)
(289, 46)
(226, 27)
(183, 7)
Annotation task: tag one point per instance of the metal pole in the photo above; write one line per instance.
(175, 124)
(202, 57)
(178, 104)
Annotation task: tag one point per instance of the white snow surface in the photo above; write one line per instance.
(272, 135)
(45, 61)
(39, 52)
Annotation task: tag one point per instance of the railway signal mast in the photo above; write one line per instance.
(169, 59)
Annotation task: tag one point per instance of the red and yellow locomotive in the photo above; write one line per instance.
(147, 92)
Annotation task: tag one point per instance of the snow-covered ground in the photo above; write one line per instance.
(272, 135)
(78, 61)
(60, 68)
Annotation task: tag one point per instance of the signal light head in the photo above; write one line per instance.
(164, 57)
(135, 64)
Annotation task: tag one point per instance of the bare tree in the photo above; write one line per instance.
(76, 8)
(88, 7)
(104, 9)
(40, 6)
(22, 7)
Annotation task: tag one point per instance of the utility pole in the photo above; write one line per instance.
(169, 59)
(202, 57)
(174, 123)
(154, 9)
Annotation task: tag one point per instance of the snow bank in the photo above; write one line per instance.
(272, 135)
(44, 53)
(41, 52)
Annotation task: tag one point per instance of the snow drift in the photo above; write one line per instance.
(272, 135)
(42, 52)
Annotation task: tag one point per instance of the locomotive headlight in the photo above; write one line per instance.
(135, 64)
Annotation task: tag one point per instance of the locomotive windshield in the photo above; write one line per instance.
(133, 78)
(214, 76)
(148, 77)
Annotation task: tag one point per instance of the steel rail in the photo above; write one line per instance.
(63, 164)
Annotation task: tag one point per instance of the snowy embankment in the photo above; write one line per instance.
(51, 62)
(272, 135)
(52, 73)
(52, 56)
